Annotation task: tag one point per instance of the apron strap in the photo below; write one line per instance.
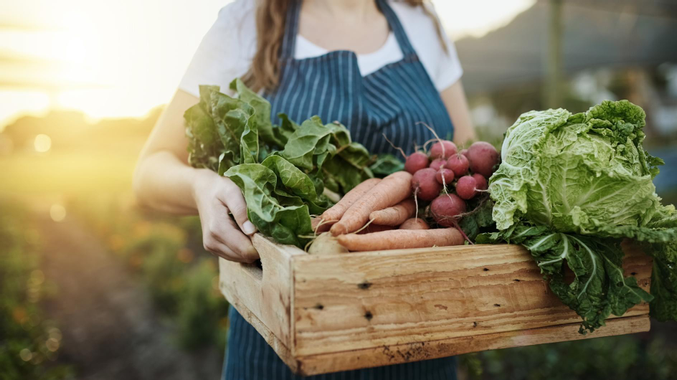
(396, 27)
(291, 30)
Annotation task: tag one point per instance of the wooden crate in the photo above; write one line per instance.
(348, 311)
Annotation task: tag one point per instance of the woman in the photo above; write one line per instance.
(377, 66)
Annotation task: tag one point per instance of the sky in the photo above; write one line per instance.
(122, 58)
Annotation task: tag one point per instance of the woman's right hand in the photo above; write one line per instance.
(216, 197)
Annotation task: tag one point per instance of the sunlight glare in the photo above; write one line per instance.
(42, 143)
(121, 59)
(477, 18)
(57, 212)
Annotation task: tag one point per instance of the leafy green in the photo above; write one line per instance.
(599, 288)
(281, 170)
(570, 187)
(385, 165)
(479, 219)
(569, 171)
(282, 223)
(309, 145)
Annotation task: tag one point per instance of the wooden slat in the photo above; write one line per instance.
(402, 353)
(277, 345)
(376, 299)
(263, 295)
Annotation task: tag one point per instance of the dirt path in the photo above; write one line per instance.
(110, 330)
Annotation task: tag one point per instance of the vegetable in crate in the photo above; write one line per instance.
(402, 239)
(281, 170)
(570, 187)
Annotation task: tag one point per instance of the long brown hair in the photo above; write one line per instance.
(271, 18)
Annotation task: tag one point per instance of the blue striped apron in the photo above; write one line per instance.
(397, 100)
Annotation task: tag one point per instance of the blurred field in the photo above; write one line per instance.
(66, 173)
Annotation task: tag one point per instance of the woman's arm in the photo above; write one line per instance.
(163, 180)
(457, 106)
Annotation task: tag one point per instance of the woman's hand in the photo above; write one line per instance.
(216, 197)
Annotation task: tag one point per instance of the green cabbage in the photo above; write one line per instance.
(569, 188)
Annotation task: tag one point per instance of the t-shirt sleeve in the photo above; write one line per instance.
(448, 68)
(225, 52)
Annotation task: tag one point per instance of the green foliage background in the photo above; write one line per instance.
(29, 341)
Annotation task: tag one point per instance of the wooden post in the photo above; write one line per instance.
(552, 94)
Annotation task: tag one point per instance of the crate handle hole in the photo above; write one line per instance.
(255, 269)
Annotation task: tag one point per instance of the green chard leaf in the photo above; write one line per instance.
(249, 143)
(285, 224)
(262, 113)
(204, 144)
(282, 171)
(479, 219)
(309, 140)
(385, 165)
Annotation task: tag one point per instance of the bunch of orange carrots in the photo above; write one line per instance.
(381, 214)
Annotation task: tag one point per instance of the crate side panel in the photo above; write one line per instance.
(403, 353)
(363, 300)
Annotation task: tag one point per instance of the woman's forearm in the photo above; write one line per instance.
(163, 180)
(165, 183)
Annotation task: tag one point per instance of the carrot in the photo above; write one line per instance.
(414, 224)
(390, 191)
(334, 213)
(401, 239)
(395, 215)
(371, 228)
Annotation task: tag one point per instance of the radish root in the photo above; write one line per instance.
(363, 227)
(416, 202)
(444, 154)
(395, 147)
(322, 221)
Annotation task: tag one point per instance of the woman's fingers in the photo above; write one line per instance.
(222, 231)
(235, 202)
(221, 250)
(237, 248)
(222, 235)
(229, 234)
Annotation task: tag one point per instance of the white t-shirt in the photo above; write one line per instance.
(226, 51)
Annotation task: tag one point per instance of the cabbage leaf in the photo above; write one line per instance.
(569, 188)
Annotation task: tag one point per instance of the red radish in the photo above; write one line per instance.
(481, 181)
(414, 224)
(483, 157)
(466, 187)
(415, 162)
(446, 208)
(443, 149)
(445, 174)
(459, 164)
(437, 163)
(424, 185)
(465, 152)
